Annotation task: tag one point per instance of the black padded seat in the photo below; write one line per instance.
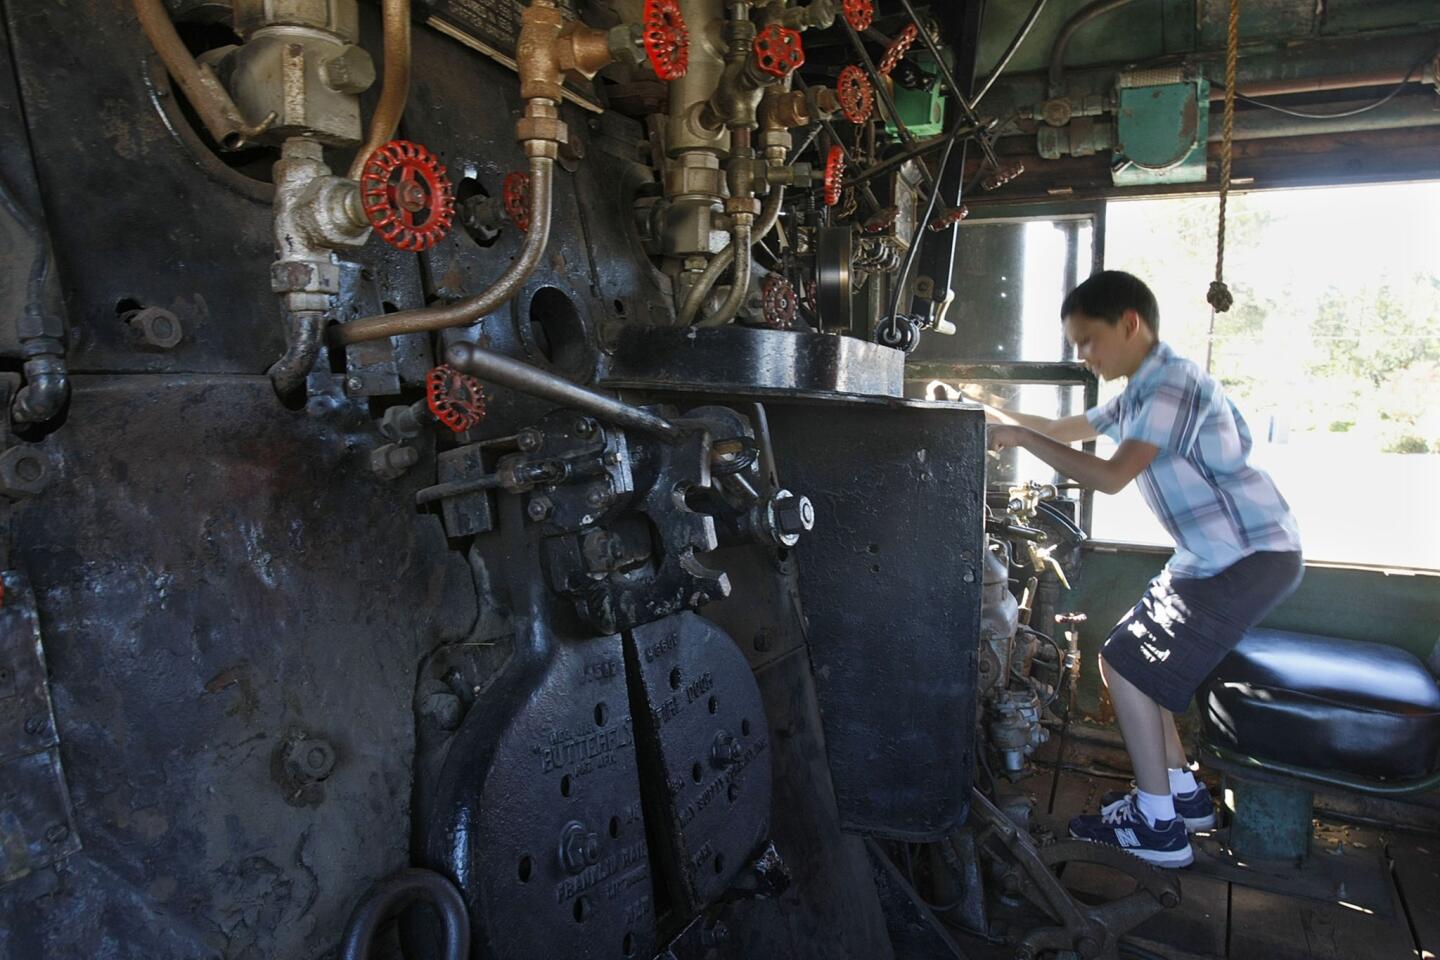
(1362, 709)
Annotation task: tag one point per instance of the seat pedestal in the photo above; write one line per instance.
(1270, 821)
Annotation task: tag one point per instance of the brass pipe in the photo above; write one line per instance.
(768, 216)
(396, 90)
(467, 311)
(740, 278)
(690, 308)
(201, 87)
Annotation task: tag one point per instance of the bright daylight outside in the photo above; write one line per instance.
(1331, 351)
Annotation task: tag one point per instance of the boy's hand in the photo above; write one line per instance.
(1002, 435)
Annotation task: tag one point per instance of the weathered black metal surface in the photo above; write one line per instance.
(890, 583)
(30, 301)
(211, 598)
(122, 182)
(707, 737)
(915, 931)
(753, 362)
(672, 573)
(465, 108)
(37, 826)
(536, 811)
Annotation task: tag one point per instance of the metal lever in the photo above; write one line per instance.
(527, 379)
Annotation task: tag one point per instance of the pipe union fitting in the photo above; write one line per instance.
(541, 128)
(741, 206)
(304, 276)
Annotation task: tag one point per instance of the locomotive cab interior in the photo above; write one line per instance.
(510, 479)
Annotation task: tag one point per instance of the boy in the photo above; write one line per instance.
(1237, 547)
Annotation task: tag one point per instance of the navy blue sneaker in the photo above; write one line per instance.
(1166, 844)
(1195, 808)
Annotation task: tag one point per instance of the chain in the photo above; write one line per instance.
(1219, 296)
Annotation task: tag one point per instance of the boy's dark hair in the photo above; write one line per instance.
(1108, 294)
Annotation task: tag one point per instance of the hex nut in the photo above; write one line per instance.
(24, 471)
(309, 759)
(350, 71)
(794, 515)
(390, 460)
(158, 326)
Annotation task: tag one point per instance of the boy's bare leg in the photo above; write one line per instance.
(1174, 749)
(1142, 725)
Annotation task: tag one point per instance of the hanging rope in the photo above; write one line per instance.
(1219, 296)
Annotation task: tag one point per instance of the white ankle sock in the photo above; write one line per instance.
(1155, 806)
(1182, 780)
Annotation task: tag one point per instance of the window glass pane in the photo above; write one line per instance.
(1331, 352)
(1009, 280)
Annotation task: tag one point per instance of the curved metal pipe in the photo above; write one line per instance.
(390, 895)
(41, 327)
(739, 280)
(202, 88)
(769, 214)
(532, 381)
(1004, 60)
(47, 386)
(307, 335)
(468, 311)
(396, 90)
(718, 264)
(1062, 39)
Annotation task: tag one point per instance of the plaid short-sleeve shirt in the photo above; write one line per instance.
(1201, 486)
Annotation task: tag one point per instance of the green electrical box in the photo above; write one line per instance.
(922, 111)
(1160, 131)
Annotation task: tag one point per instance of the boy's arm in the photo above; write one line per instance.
(1066, 429)
(1107, 476)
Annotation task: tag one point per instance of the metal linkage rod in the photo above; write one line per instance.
(878, 82)
(866, 192)
(920, 148)
(1004, 60)
(949, 79)
(527, 379)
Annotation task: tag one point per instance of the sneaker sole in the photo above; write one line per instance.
(1173, 859)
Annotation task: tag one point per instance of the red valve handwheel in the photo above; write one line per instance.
(779, 300)
(1004, 175)
(834, 175)
(859, 14)
(883, 220)
(778, 50)
(401, 182)
(949, 218)
(897, 49)
(454, 398)
(516, 193)
(667, 40)
(857, 97)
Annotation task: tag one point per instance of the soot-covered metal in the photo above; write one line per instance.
(443, 488)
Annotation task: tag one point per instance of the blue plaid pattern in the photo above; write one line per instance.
(1201, 486)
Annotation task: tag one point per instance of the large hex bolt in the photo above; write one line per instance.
(794, 515)
(24, 472)
(157, 326)
(538, 508)
(725, 751)
(391, 460)
(309, 759)
(579, 847)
